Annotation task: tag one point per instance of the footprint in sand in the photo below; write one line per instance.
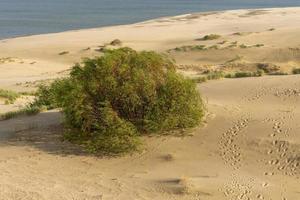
(230, 151)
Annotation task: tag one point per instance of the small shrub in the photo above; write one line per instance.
(296, 71)
(268, 67)
(211, 37)
(258, 45)
(63, 53)
(214, 47)
(116, 42)
(243, 46)
(209, 76)
(190, 48)
(109, 101)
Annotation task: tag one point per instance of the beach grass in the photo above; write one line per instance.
(9, 96)
(22, 112)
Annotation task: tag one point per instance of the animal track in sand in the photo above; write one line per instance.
(230, 151)
(258, 93)
(287, 93)
(242, 189)
(283, 156)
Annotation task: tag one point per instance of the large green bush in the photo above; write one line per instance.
(109, 101)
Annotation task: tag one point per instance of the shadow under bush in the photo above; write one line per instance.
(111, 100)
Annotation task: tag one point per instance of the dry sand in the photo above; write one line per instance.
(248, 149)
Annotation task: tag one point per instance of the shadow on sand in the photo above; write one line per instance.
(43, 132)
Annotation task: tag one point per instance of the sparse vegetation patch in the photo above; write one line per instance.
(190, 48)
(296, 71)
(209, 76)
(279, 73)
(245, 74)
(211, 37)
(29, 110)
(9, 96)
(268, 67)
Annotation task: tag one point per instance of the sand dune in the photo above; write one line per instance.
(248, 147)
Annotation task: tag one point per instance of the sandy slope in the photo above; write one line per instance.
(248, 149)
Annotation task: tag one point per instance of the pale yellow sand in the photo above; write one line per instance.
(248, 149)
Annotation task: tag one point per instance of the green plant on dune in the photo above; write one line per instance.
(9, 96)
(209, 76)
(109, 101)
(296, 71)
(211, 37)
(28, 110)
(244, 74)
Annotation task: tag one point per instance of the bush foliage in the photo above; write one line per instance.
(109, 101)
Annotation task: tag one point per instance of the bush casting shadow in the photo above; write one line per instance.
(108, 102)
(42, 131)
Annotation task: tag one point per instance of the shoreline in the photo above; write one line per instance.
(37, 57)
(146, 21)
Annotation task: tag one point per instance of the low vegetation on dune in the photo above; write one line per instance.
(116, 42)
(211, 37)
(28, 110)
(9, 96)
(108, 102)
(244, 74)
(209, 76)
(268, 67)
(296, 71)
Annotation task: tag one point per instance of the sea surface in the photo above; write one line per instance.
(27, 17)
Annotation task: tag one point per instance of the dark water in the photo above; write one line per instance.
(25, 17)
